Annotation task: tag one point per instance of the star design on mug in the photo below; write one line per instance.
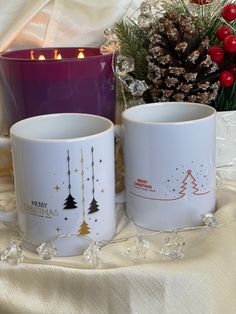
(57, 187)
(58, 229)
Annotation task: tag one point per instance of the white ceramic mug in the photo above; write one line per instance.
(169, 152)
(64, 180)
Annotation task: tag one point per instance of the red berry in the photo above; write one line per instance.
(229, 12)
(223, 31)
(226, 78)
(216, 53)
(230, 43)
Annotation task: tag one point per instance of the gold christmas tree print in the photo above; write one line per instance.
(84, 228)
(70, 202)
(94, 207)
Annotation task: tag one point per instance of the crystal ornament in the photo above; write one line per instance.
(46, 250)
(136, 87)
(127, 80)
(173, 247)
(209, 220)
(124, 65)
(145, 7)
(13, 253)
(144, 20)
(111, 44)
(138, 249)
(93, 254)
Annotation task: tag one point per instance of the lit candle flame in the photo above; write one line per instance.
(57, 55)
(41, 57)
(81, 53)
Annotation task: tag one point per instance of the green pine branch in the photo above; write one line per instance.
(226, 100)
(134, 43)
(178, 6)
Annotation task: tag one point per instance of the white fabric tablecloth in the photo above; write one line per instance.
(204, 281)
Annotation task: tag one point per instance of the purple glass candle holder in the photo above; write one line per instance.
(33, 87)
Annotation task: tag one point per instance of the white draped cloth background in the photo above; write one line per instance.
(203, 282)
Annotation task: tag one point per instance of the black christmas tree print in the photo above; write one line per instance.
(94, 207)
(188, 186)
(84, 228)
(70, 202)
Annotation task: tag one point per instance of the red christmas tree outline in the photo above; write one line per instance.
(181, 193)
(194, 185)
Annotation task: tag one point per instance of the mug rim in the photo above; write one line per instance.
(13, 132)
(127, 114)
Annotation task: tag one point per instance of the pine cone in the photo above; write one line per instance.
(179, 67)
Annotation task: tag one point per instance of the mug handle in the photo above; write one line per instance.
(5, 142)
(6, 216)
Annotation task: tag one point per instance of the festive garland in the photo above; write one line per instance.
(172, 249)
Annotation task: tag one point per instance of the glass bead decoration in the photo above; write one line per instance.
(127, 80)
(46, 250)
(13, 253)
(145, 7)
(109, 46)
(124, 65)
(210, 220)
(173, 247)
(138, 87)
(93, 255)
(138, 249)
(144, 21)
